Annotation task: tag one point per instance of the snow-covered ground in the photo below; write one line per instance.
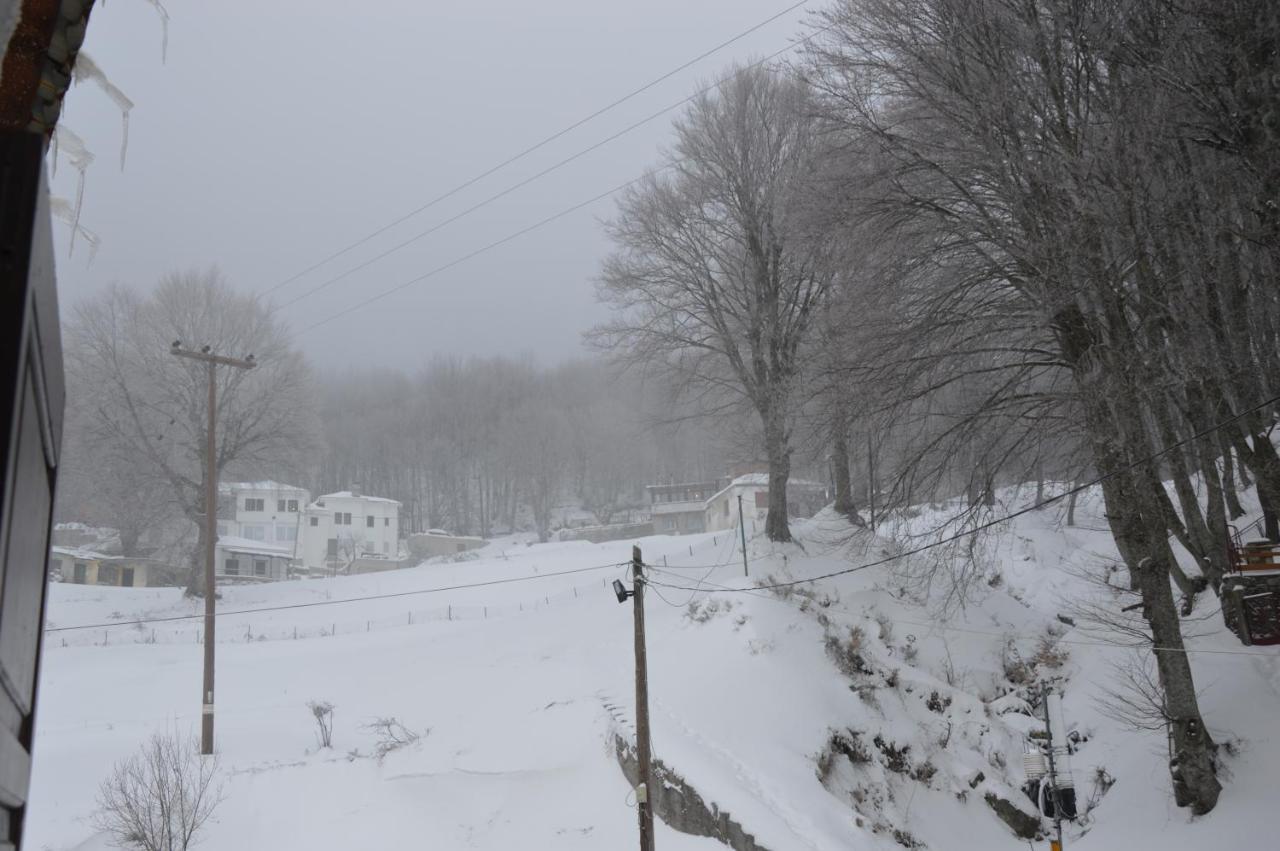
(523, 683)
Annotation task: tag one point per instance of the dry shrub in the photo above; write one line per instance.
(159, 798)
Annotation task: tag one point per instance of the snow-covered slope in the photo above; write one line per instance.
(851, 713)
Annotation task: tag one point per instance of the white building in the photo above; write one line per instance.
(722, 508)
(345, 527)
(243, 560)
(267, 512)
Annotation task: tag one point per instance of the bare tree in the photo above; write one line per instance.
(147, 409)
(159, 798)
(710, 281)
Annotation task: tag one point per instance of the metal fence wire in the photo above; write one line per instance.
(140, 631)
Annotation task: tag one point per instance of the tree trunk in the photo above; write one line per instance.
(1234, 508)
(844, 503)
(776, 527)
(1071, 505)
(1191, 762)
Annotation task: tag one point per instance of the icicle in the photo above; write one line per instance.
(63, 209)
(66, 140)
(124, 137)
(87, 69)
(164, 28)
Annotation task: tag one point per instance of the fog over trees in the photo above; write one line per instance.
(963, 243)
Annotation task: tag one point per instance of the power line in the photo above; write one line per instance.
(991, 633)
(555, 167)
(538, 175)
(492, 245)
(1012, 515)
(537, 145)
(486, 584)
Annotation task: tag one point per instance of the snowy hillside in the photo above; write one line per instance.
(855, 712)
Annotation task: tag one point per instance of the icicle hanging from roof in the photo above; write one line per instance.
(87, 69)
(164, 28)
(67, 143)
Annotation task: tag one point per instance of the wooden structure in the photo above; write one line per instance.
(39, 41)
(1251, 591)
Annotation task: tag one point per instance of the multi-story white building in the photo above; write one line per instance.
(347, 527)
(268, 512)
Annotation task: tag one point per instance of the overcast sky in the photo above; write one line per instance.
(280, 131)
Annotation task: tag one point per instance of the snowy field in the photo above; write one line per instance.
(522, 684)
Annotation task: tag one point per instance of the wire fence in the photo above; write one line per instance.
(140, 631)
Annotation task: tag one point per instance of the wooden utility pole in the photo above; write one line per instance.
(742, 527)
(210, 526)
(644, 806)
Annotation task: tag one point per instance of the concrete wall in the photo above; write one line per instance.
(680, 806)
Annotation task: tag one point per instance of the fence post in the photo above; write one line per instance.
(410, 618)
(486, 612)
(368, 626)
(450, 615)
(295, 633)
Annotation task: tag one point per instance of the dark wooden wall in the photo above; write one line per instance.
(31, 403)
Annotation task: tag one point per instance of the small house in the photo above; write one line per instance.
(243, 560)
(85, 567)
(76, 565)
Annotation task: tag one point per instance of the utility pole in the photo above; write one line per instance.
(1056, 844)
(210, 525)
(644, 806)
(742, 527)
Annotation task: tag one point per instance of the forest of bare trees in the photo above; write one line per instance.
(1017, 241)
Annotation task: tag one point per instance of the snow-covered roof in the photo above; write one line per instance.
(681, 485)
(682, 507)
(264, 485)
(246, 545)
(440, 533)
(350, 495)
(77, 552)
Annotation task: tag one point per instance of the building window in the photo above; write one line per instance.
(231, 567)
(286, 533)
(80, 573)
(255, 504)
(280, 504)
(386, 521)
(346, 519)
(253, 532)
(293, 506)
(259, 567)
(337, 518)
(315, 521)
(368, 521)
